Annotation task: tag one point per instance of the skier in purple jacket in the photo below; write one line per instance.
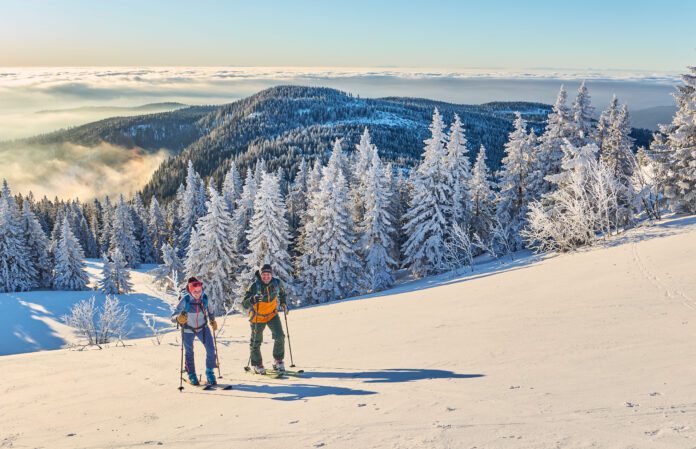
(193, 314)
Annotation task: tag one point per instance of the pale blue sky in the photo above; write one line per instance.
(514, 35)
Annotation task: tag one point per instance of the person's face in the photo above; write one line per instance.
(196, 290)
(266, 277)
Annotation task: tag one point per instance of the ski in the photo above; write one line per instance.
(218, 387)
(202, 386)
(277, 374)
(297, 373)
(207, 386)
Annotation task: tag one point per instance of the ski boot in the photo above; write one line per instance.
(193, 379)
(259, 369)
(210, 376)
(279, 366)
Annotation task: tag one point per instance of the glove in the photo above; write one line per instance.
(213, 324)
(284, 308)
(256, 299)
(182, 318)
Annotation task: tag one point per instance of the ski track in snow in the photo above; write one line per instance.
(668, 291)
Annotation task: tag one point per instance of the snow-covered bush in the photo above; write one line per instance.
(99, 326)
(586, 204)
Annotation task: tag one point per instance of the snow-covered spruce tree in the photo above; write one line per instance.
(396, 208)
(243, 213)
(513, 184)
(307, 237)
(582, 112)
(680, 179)
(141, 221)
(259, 170)
(17, 272)
(549, 152)
(268, 236)
(191, 206)
(616, 152)
(429, 206)
(232, 187)
(604, 123)
(457, 162)
(330, 267)
(297, 197)
(482, 209)
(171, 268)
(105, 228)
(122, 236)
(106, 282)
(157, 225)
(69, 270)
(376, 228)
(120, 273)
(339, 159)
(37, 246)
(363, 160)
(211, 256)
(659, 154)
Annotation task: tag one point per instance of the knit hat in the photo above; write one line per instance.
(266, 268)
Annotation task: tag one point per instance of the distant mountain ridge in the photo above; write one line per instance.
(150, 107)
(283, 124)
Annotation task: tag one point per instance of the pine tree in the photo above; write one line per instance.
(119, 273)
(297, 198)
(243, 213)
(37, 246)
(680, 180)
(330, 267)
(232, 187)
(106, 282)
(259, 170)
(268, 235)
(482, 198)
(211, 256)
(364, 151)
(616, 152)
(172, 268)
(17, 273)
(157, 225)
(307, 236)
(377, 228)
(141, 220)
(425, 250)
(69, 272)
(548, 155)
(583, 112)
(191, 206)
(513, 185)
(105, 229)
(122, 236)
(457, 162)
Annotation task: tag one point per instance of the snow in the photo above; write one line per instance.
(589, 349)
(33, 319)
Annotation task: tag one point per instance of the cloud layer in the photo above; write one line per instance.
(71, 171)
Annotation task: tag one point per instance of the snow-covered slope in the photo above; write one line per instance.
(33, 320)
(594, 349)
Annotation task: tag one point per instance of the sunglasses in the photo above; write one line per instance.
(196, 284)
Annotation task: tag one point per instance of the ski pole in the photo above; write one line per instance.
(181, 367)
(287, 329)
(217, 355)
